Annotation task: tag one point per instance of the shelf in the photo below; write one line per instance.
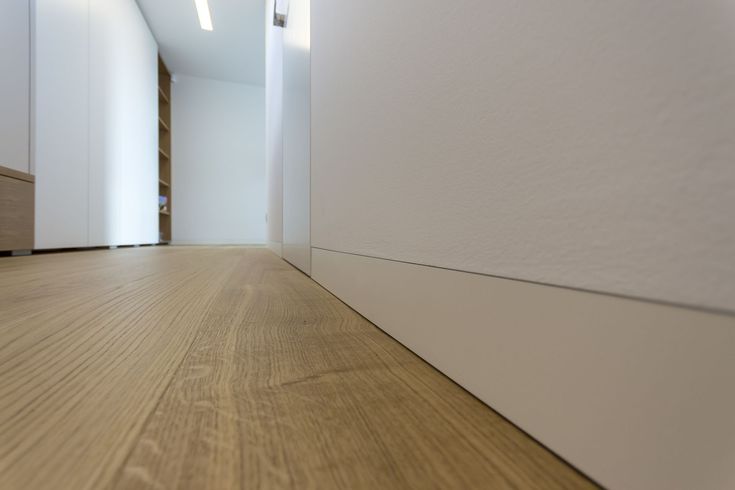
(164, 101)
(162, 95)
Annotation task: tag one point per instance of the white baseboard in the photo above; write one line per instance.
(637, 395)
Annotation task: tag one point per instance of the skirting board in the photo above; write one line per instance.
(637, 395)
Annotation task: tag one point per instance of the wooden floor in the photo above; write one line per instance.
(219, 368)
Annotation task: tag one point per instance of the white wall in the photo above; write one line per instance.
(579, 144)
(296, 136)
(274, 128)
(96, 124)
(218, 162)
(15, 65)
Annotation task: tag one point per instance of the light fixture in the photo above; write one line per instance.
(205, 18)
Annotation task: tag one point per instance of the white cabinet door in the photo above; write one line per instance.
(62, 123)
(15, 59)
(296, 136)
(96, 125)
(123, 126)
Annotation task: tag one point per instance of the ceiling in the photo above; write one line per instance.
(233, 52)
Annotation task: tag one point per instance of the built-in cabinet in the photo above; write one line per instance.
(16, 181)
(165, 207)
(96, 120)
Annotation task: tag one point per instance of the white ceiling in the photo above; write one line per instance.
(234, 51)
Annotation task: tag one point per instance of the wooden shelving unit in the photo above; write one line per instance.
(164, 150)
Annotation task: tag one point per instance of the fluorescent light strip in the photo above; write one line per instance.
(205, 18)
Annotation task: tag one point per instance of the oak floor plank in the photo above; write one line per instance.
(81, 372)
(286, 387)
(224, 367)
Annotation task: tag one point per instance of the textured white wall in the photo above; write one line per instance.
(15, 85)
(274, 126)
(585, 144)
(218, 162)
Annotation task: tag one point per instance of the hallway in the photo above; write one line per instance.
(194, 367)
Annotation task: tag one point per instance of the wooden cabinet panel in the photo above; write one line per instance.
(16, 213)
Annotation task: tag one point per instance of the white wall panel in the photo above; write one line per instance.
(123, 126)
(61, 123)
(296, 136)
(15, 82)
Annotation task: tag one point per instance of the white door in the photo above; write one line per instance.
(297, 136)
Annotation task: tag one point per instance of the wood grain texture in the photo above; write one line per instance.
(16, 213)
(177, 367)
(15, 174)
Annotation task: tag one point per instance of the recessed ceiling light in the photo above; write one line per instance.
(205, 18)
